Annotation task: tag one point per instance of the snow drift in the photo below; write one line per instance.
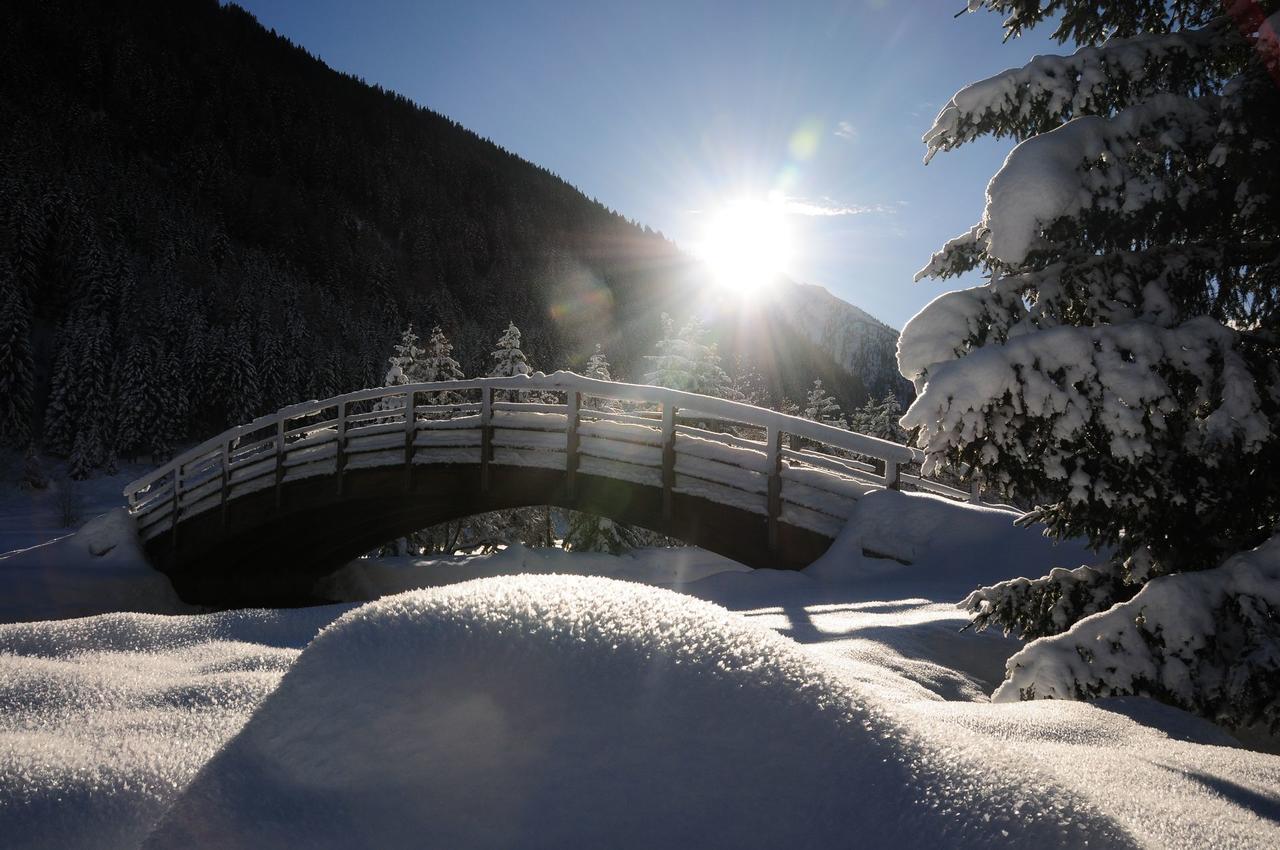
(550, 711)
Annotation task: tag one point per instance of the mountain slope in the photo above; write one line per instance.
(199, 222)
(862, 344)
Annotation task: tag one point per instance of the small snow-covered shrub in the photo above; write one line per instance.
(1208, 642)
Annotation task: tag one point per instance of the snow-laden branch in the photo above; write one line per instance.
(1049, 90)
(1204, 641)
(1123, 381)
(1088, 163)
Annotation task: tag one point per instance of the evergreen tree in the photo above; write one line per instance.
(509, 361)
(239, 384)
(747, 384)
(685, 361)
(598, 368)
(879, 419)
(403, 366)
(823, 408)
(17, 380)
(1122, 364)
(60, 410)
(437, 364)
(172, 406)
(93, 387)
(138, 398)
(406, 361)
(592, 533)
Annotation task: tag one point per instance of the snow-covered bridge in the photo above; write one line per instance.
(258, 512)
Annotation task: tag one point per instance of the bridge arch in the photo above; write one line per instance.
(256, 514)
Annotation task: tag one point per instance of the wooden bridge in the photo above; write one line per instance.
(256, 514)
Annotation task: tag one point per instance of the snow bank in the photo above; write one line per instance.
(1201, 640)
(576, 712)
(104, 719)
(940, 547)
(100, 568)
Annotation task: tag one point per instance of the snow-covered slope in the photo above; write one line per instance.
(861, 343)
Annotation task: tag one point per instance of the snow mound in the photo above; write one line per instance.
(99, 569)
(553, 711)
(104, 719)
(941, 547)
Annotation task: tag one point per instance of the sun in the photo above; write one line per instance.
(746, 245)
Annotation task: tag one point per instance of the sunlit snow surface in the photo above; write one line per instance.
(836, 708)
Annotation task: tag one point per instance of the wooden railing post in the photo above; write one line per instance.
(668, 460)
(891, 479)
(773, 462)
(975, 487)
(173, 514)
(572, 403)
(279, 460)
(340, 454)
(226, 480)
(486, 435)
(410, 432)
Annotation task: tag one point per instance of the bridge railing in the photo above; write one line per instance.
(783, 467)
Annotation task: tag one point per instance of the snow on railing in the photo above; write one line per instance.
(725, 451)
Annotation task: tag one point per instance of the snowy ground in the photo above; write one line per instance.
(840, 707)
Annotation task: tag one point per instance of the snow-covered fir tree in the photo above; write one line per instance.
(17, 379)
(406, 360)
(598, 367)
(509, 361)
(1122, 364)
(61, 408)
(239, 384)
(685, 361)
(879, 419)
(437, 364)
(592, 533)
(747, 384)
(137, 396)
(403, 367)
(821, 407)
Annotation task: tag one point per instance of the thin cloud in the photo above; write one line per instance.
(825, 207)
(845, 130)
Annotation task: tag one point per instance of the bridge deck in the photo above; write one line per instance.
(257, 513)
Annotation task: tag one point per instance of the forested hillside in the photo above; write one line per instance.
(201, 221)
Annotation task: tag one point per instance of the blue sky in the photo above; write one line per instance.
(663, 111)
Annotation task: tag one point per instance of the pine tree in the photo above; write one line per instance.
(17, 379)
(598, 368)
(138, 396)
(60, 411)
(1122, 364)
(406, 365)
(402, 364)
(592, 533)
(747, 384)
(685, 361)
(97, 412)
(239, 384)
(823, 408)
(879, 419)
(437, 364)
(509, 361)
